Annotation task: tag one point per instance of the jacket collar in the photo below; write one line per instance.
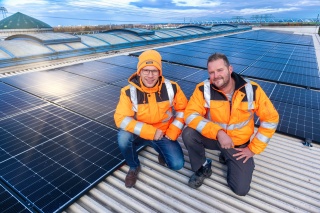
(239, 81)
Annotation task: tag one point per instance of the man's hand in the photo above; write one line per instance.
(158, 135)
(224, 140)
(245, 153)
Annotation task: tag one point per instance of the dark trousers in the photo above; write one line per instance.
(239, 174)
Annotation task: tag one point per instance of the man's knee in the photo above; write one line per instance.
(240, 190)
(124, 138)
(177, 164)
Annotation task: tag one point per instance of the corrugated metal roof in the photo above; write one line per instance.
(286, 179)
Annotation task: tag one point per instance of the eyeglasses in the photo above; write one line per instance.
(147, 72)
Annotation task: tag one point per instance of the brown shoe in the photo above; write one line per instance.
(132, 177)
(161, 160)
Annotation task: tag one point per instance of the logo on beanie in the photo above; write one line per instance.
(149, 62)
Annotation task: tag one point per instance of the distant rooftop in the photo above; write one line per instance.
(22, 21)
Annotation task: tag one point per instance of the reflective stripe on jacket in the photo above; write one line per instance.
(209, 111)
(144, 110)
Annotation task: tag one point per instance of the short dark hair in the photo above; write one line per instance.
(217, 56)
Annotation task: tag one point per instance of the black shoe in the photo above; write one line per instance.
(132, 177)
(161, 160)
(198, 177)
(222, 159)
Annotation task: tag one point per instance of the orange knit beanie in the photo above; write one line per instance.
(149, 58)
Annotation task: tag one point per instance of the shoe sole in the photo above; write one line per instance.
(197, 184)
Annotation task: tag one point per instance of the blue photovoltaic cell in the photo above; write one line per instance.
(170, 50)
(120, 84)
(267, 87)
(300, 80)
(186, 60)
(88, 67)
(95, 104)
(261, 73)
(17, 101)
(306, 64)
(8, 204)
(55, 155)
(187, 87)
(122, 60)
(275, 59)
(198, 76)
(177, 71)
(238, 68)
(269, 65)
(298, 121)
(297, 96)
(111, 75)
(284, 56)
(52, 84)
(247, 56)
(4, 88)
(241, 61)
(307, 59)
(301, 70)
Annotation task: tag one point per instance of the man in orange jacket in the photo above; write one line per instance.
(145, 116)
(220, 116)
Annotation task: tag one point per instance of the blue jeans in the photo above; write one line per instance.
(170, 150)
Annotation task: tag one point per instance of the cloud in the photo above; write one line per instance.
(196, 3)
(306, 3)
(133, 11)
(254, 11)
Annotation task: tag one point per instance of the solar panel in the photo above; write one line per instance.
(87, 67)
(15, 101)
(268, 65)
(4, 88)
(57, 156)
(9, 204)
(308, 59)
(185, 60)
(187, 87)
(267, 87)
(301, 70)
(241, 61)
(197, 77)
(247, 56)
(262, 73)
(177, 71)
(300, 80)
(52, 84)
(298, 96)
(95, 103)
(275, 59)
(122, 60)
(310, 65)
(298, 121)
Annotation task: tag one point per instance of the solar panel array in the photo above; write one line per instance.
(283, 63)
(58, 138)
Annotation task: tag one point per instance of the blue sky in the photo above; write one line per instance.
(85, 12)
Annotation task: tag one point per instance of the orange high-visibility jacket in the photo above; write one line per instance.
(143, 110)
(209, 111)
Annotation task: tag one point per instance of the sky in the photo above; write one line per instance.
(104, 12)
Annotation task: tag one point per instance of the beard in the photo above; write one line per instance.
(221, 82)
